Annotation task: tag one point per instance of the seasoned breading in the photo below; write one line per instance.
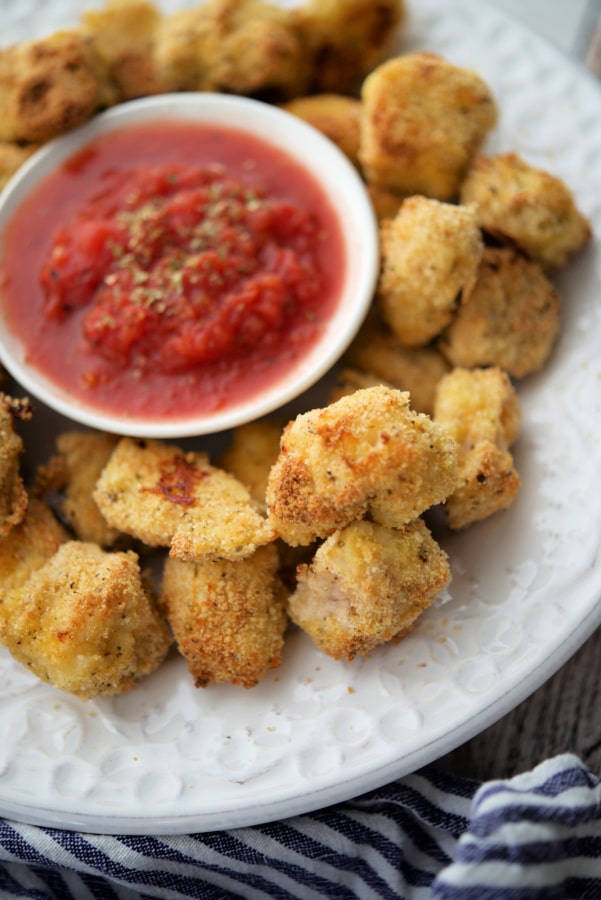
(12, 157)
(49, 86)
(416, 370)
(253, 450)
(122, 35)
(84, 622)
(424, 119)
(511, 318)
(84, 455)
(336, 116)
(26, 548)
(228, 617)
(345, 39)
(430, 256)
(526, 206)
(367, 585)
(165, 497)
(366, 453)
(481, 410)
(13, 496)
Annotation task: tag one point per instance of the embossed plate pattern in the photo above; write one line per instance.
(167, 758)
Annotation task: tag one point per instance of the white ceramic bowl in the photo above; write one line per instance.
(329, 166)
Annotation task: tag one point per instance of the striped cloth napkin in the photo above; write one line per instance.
(428, 835)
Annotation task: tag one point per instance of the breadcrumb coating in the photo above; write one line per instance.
(228, 617)
(26, 548)
(84, 623)
(511, 318)
(366, 453)
(430, 257)
(481, 410)
(13, 496)
(253, 450)
(367, 585)
(336, 116)
(527, 206)
(424, 120)
(167, 498)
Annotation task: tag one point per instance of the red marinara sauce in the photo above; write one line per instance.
(166, 271)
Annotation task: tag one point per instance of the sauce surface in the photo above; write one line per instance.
(172, 270)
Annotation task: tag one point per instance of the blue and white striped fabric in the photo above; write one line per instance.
(428, 835)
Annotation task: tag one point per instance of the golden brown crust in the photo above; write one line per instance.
(368, 452)
(511, 318)
(13, 496)
(27, 547)
(336, 116)
(167, 498)
(430, 257)
(367, 585)
(253, 450)
(227, 617)
(526, 206)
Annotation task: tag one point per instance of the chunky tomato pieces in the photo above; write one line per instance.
(178, 267)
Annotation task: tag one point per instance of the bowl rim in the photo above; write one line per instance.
(328, 166)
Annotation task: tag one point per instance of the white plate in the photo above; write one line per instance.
(526, 587)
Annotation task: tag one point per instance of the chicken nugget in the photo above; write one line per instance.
(228, 617)
(345, 39)
(481, 410)
(430, 257)
(13, 496)
(84, 455)
(122, 35)
(511, 318)
(168, 498)
(367, 585)
(26, 548)
(84, 622)
(366, 453)
(526, 206)
(253, 450)
(336, 116)
(416, 370)
(49, 86)
(424, 119)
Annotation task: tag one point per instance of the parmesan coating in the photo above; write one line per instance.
(253, 450)
(122, 34)
(84, 623)
(367, 585)
(424, 119)
(336, 116)
(13, 496)
(430, 257)
(228, 617)
(168, 498)
(84, 456)
(345, 39)
(511, 318)
(480, 409)
(366, 453)
(526, 206)
(26, 548)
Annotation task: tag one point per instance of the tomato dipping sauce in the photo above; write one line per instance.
(172, 270)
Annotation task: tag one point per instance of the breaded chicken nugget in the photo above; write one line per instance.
(84, 455)
(336, 116)
(12, 157)
(253, 450)
(49, 86)
(84, 622)
(511, 318)
(13, 496)
(122, 35)
(527, 206)
(345, 39)
(228, 617)
(430, 257)
(416, 370)
(424, 119)
(367, 585)
(366, 453)
(27, 547)
(168, 498)
(480, 409)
